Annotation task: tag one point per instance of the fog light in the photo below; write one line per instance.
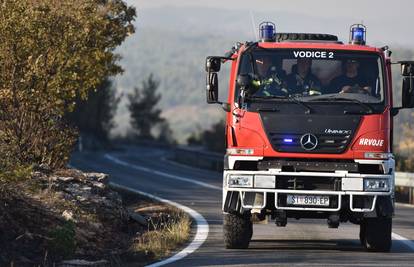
(376, 185)
(265, 181)
(236, 180)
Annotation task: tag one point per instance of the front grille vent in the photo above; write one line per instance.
(332, 144)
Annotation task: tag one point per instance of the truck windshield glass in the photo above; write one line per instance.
(312, 75)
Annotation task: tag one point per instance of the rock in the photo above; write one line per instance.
(37, 174)
(153, 208)
(43, 168)
(70, 263)
(99, 185)
(67, 215)
(100, 177)
(65, 179)
(138, 218)
(81, 199)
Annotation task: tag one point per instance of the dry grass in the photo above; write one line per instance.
(165, 234)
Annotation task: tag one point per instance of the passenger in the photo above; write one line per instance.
(301, 80)
(351, 81)
(271, 80)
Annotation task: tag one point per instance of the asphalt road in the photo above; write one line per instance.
(300, 243)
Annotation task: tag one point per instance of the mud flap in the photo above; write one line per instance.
(384, 207)
(232, 203)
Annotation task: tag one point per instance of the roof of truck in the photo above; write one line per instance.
(319, 45)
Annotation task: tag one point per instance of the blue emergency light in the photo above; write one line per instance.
(267, 31)
(288, 140)
(357, 34)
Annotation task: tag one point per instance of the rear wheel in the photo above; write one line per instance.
(237, 230)
(375, 234)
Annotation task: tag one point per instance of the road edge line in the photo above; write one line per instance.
(407, 242)
(201, 232)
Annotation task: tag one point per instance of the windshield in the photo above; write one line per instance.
(313, 75)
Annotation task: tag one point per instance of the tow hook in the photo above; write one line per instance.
(280, 218)
(333, 220)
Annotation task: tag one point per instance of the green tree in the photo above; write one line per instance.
(212, 139)
(166, 135)
(52, 52)
(95, 115)
(143, 108)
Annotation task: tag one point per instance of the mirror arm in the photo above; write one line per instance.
(395, 110)
(225, 106)
(224, 59)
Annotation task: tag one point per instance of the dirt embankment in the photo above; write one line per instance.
(73, 218)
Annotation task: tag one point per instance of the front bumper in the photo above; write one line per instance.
(350, 190)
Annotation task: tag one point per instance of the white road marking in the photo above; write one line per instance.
(407, 242)
(171, 176)
(201, 233)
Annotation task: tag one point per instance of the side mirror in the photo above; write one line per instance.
(408, 92)
(213, 64)
(407, 68)
(212, 88)
(407, 71)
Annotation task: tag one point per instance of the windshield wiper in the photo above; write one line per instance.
(297, 101)
(291, 98)
(353, 100)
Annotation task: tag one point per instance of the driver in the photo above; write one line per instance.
(271, 79)
(350, 81)
(302, 80)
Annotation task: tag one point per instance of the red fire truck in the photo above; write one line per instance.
(309, 130)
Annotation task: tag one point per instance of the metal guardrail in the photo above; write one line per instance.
(198, 158)
(404, 187)
(404, 181)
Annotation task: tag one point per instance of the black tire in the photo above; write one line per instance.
(305, 37)
(377, 234)
(237, 231)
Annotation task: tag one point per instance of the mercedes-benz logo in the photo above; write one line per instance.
(308, 141)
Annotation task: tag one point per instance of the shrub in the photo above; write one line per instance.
(62, 240)
(52, 52)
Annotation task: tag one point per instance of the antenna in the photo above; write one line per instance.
(253, 25)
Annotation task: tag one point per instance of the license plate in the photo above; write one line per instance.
(307, 200)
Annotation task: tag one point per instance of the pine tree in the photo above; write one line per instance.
(94, 116)
(142, 107)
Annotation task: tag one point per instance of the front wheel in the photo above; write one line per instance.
(237, 230)
(375, 234)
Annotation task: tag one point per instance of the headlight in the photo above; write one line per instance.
(235, 180)
(376, 184)
(240, 151)
(377, 155)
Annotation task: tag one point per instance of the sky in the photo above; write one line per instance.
(388, 22)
